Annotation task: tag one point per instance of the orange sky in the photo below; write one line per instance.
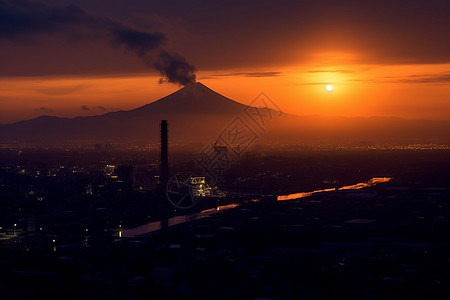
(407, 91)
(383, 58)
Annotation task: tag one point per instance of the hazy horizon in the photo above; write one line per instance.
(197, 114)
(98, 111)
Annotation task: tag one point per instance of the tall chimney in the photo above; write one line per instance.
(164, 168)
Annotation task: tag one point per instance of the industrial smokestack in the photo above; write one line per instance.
(164, 168)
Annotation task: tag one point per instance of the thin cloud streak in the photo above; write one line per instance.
(44, 110)
(331, 71)
(61, 90)
(409, 79)
(244, 74)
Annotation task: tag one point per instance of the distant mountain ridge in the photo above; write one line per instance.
(198, 114)
(189, 110)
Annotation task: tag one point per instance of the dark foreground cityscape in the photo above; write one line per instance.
(92, 224)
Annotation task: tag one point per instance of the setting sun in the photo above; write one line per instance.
(329, 88)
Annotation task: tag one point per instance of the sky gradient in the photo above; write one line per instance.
(71, 58)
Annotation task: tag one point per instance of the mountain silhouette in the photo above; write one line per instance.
(198, 114)
(194, 112)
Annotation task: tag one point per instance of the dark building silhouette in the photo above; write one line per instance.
(164, 168)
(126, 174)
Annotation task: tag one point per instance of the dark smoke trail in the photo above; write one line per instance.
(24, 18)
(142, 43)
(174, 68)
(21, 19)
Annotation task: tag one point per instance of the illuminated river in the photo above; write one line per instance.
(371, 182)
(158, 225)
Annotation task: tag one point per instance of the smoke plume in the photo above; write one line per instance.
(26, 20)
(174, 68)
